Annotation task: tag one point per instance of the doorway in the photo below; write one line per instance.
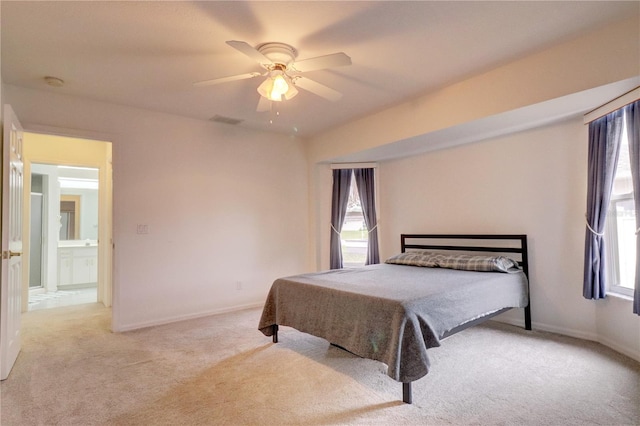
(67, 221)
(64, 227)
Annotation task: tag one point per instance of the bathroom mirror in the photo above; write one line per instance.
(78, 203)
(70, 217)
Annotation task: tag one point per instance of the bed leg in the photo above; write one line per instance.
(275, 333)
(406, 393)
(527, 316)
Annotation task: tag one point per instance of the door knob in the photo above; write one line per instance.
(7, 254)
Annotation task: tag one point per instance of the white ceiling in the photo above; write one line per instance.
(148, 54)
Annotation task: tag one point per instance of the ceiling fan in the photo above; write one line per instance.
(283, 72)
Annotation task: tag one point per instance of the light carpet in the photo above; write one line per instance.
(220, 370)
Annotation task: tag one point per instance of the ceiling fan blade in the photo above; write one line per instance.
(322, 62)
(250, 51)
(264, 104)
(317, 89)
(226, 79)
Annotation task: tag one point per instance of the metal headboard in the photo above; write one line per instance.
(504, 243)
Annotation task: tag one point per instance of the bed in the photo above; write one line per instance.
(393, 312)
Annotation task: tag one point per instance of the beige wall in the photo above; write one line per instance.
(505, 97)
(53, 149)
(532, 182)
(529, 182)
(559, 71)
(229, 179)
(226, 207)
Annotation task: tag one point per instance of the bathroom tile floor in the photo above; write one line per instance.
(60, 298)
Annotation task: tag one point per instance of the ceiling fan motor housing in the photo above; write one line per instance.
(278, 53)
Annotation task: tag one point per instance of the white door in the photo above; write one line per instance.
(12, 206)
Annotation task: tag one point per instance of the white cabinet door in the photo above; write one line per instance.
(85, 265)
(93, 268)
(65, 267)
(81, 268)
(77, 265)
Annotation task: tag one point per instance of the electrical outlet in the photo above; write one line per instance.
(238, 285)
(142, 229)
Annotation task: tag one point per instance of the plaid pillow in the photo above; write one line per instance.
(415, 258)
(467, 262)
(464, 262)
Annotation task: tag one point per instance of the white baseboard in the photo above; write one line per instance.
(565, 331)
(633, 354)
(168, 320)
(625, 350)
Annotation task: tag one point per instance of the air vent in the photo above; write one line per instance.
(227, 120)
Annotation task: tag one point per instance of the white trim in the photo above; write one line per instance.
(624, 294)
(625, 350)
(71, 133)
(609, 107)
(176, 318)
(536, 326)
(338, 166)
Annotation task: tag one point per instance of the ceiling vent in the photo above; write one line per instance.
(227, 120)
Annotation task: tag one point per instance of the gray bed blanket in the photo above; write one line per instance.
(389, 313)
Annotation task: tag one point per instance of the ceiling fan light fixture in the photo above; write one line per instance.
(291, 92)
(276, 86)
(280, 87)
(265, 87)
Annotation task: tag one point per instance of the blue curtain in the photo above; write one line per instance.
(339, 200)
(632, 112)
(365, 180)
(604, 148)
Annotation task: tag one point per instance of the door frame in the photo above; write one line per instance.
(43, 224)
(105, 203)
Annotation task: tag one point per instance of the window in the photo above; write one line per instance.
(354, 223)
(620, 238)
(354, 235)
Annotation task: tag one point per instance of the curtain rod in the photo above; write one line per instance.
(614, 104)
(354, 165)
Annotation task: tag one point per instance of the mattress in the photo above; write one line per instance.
(389, 313)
